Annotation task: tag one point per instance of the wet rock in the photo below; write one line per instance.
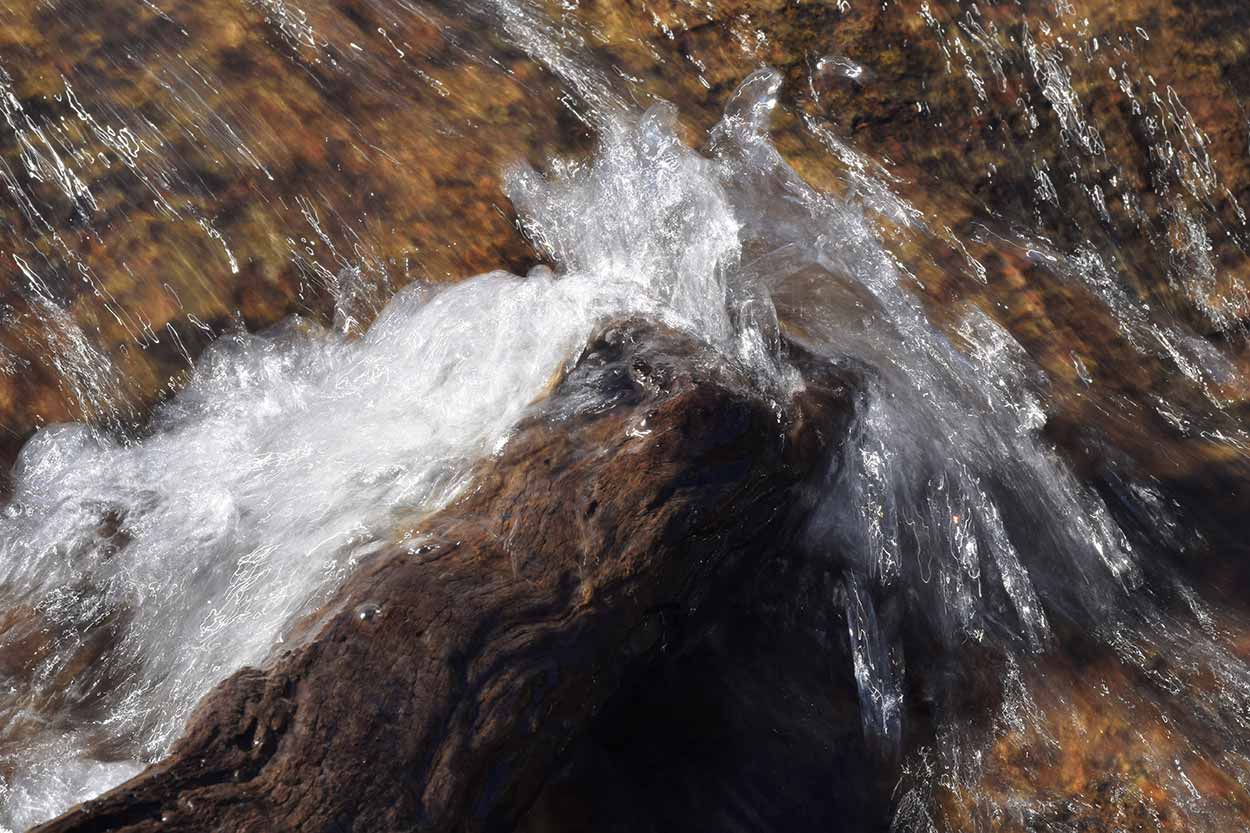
(449, 679)
(313, 145)
(751, 723)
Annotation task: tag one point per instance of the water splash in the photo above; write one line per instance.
(169, 562)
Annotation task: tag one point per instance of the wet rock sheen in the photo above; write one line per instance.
(452, 674)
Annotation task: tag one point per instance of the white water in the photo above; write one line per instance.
(289, 454)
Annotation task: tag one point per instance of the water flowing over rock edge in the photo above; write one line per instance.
(966, 525)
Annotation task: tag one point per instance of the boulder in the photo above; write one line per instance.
(451, 675)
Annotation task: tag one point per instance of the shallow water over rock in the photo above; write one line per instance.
(1020, 228)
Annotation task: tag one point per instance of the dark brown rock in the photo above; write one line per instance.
(387, 161)
(750, 724)
(442, 686)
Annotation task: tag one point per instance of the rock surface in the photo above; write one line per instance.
(252, 155)
(451, 675)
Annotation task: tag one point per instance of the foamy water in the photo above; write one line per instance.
(289, 454)
(285, 459)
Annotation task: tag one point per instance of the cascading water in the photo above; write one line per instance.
(157, 566)
(287, 457)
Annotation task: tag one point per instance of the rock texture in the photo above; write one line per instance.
(452, 675)
(748, 725)
(174, 167)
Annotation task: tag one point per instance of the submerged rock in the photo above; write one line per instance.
(183, 166)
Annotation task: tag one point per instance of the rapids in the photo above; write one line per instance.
(290, 454)
(158, 561)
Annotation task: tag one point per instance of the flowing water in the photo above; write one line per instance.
(143, 562)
